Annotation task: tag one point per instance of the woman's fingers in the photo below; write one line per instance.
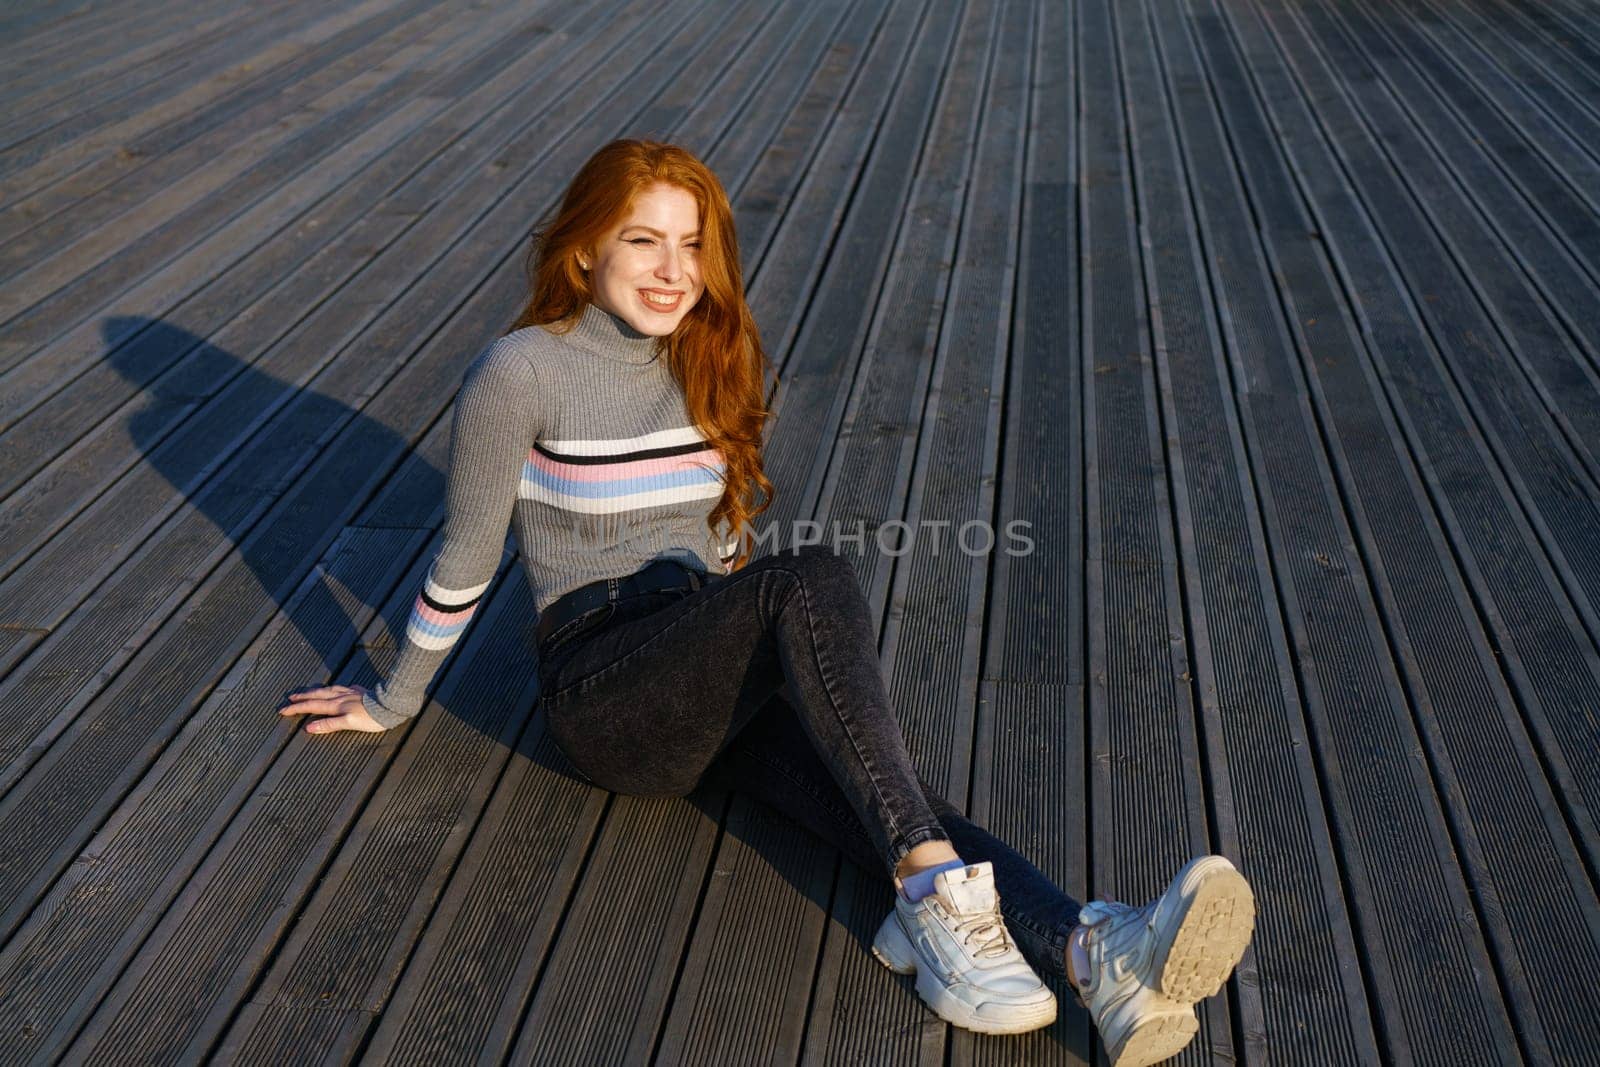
(322, 692)
(312, 707)
(321, 700)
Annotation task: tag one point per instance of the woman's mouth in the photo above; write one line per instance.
(662, 302)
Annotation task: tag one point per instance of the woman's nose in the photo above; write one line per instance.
(669, 266)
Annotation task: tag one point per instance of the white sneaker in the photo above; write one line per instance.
(968, 969)
(1147, 966)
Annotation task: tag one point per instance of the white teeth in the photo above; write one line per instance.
(656, 298)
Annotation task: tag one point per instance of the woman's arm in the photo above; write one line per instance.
(493, 429)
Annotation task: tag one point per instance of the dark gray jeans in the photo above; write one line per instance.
(767, 682)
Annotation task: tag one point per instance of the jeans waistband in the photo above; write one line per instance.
(660, 575)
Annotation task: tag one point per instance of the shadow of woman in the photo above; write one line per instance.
(279, 469)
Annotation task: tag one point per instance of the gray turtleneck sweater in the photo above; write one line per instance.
(582, 444)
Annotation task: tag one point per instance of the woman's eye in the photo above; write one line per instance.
(651, 240)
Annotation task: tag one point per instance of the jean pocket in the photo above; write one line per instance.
(587, 623)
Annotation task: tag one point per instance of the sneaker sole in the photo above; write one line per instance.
(1155, 1039)
(1212, 915)
(892, 949)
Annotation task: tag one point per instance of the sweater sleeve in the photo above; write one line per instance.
(491, 434)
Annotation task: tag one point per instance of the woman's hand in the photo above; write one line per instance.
(341, 704)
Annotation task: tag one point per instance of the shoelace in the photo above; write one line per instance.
(989, 931)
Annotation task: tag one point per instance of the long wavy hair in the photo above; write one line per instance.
(715, 354)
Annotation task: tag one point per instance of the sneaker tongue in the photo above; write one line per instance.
(968, 890)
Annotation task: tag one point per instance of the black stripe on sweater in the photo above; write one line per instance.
(439, 605)
(624, 457)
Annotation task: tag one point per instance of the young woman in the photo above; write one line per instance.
(618, 429)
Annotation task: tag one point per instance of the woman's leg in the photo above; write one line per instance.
(772, 761)
(646, 703)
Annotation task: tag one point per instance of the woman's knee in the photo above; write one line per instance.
(815, 575)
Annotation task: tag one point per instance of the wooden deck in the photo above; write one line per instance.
(1277, 322)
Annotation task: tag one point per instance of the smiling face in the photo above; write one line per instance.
(646, 270)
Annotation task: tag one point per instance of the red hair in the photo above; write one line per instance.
(715, 354)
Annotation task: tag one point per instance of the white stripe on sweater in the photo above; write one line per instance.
(616, 446)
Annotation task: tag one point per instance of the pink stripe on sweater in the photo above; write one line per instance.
(606, 472)
(440, 618)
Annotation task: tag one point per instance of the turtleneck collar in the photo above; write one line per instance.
(604, 334)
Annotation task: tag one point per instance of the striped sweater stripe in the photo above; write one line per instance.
(606, 477)
(440, 615)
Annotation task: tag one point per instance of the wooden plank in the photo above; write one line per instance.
(155, 446)
(1577, 20)
(82, 402)
(116, 146)
(1514, 57)
(205, 119)
(1473, 67)
(153, 842)
(1443, 648)
(178, 281)
(42, 373)
(96, 81)
(363, 146)
(1533, 40)
(84, 578)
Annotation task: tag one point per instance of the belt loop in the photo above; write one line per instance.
(694, 579)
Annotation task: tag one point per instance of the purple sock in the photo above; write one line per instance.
(919, 885)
